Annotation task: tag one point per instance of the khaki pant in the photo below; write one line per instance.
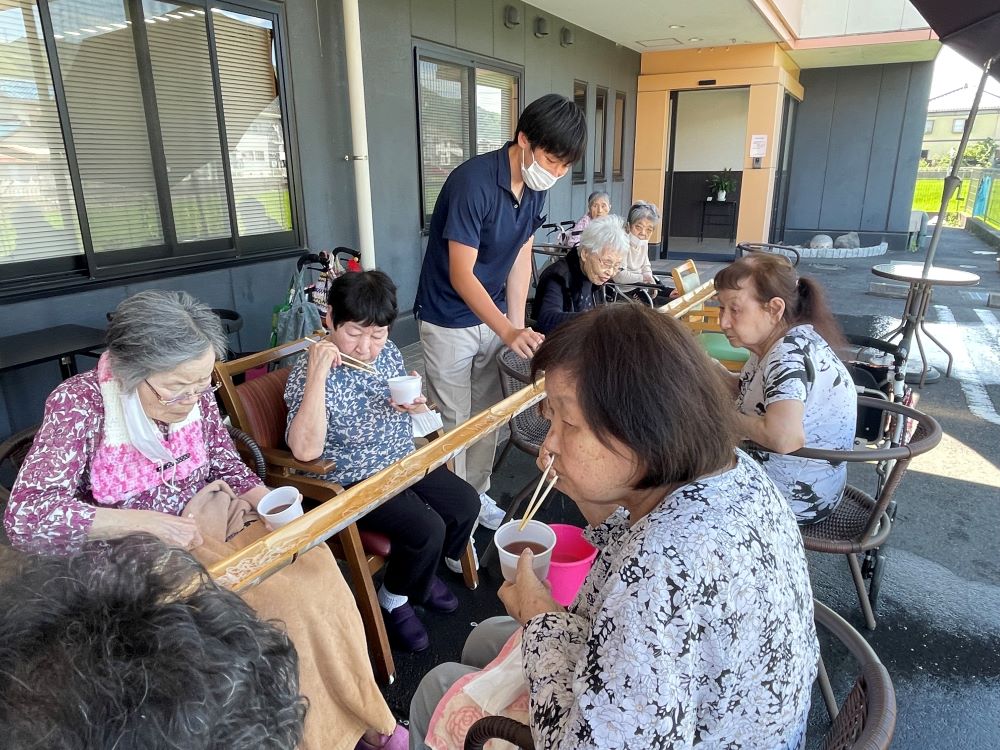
(481, 647)
(463, 380)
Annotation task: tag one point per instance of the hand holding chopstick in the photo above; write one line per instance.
(534, 504)
(349, 361)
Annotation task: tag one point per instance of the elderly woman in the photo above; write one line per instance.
(598, 205)
(68, 668)
(347, 415)
(694, 627)
(641, 221)
(576, 282)
(793, 391)
(138, 446)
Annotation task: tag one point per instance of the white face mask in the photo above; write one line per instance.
(536, 177)
(141, 430)
(637, 243)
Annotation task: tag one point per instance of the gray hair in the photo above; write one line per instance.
(156, 331)
(596, 196)
(604, 233)
(642, 210)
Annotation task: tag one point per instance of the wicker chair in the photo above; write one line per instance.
(864, 721)
(527, 429)
(861, 521)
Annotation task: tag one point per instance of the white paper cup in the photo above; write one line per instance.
(283, 496)
(404, 389)
(536, 532)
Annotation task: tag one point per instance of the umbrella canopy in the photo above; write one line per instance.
(970, 27)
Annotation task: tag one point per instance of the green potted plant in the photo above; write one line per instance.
(720, 184)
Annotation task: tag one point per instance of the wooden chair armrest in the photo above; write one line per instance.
(286, 460)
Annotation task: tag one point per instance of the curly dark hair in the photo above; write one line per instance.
(131, 645)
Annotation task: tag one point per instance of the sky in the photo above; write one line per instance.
(951, 71)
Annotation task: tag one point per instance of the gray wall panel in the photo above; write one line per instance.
(855, 153)
(850, 146)
(432, 19)
(508, 44)
(474, 26)
(905, 177)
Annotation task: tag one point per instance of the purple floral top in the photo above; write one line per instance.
(52, 504)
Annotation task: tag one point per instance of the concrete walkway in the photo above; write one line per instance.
(939, 611)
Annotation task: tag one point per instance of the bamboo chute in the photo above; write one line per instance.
(259, 560)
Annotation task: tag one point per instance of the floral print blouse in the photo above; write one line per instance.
(693, 628)
(52, 504)
(803, 367)
(364, 434)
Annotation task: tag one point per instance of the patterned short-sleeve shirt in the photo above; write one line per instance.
(803, 367)
(364, 434)
(694, 628)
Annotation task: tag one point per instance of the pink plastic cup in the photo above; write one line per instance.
(572, 558)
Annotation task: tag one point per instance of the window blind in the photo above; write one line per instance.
(254, 129)
(618, 157)
(100, 77)
(445, 138)
(185, 100)
(496, 109)
(580, 100)
(38, 217)
(600, 133)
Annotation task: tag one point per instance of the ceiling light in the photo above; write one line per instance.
(676, 26)
(73, 33)
(694, 39)
(150, 20)
(89, 31)
(59, 36)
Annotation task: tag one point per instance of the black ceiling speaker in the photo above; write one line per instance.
(566, 37)
(541, 27)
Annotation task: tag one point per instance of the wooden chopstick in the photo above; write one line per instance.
(530, 509)
(350, 361)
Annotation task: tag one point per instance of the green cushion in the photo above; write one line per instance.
(718, 347)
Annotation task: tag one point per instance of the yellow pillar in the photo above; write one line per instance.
(757, 189)
(652, 138)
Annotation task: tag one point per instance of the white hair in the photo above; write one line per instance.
(157, 331)
(604, 233)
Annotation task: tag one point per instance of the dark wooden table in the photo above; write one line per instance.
(718, 214)
(61, 343)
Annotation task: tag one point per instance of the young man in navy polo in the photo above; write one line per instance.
(477, 268)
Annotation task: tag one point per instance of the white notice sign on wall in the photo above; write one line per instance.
(758, 146)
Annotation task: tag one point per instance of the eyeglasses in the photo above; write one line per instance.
(195, 395)
(611, 266)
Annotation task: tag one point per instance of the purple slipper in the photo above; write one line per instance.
(440, 598)
(405, 630)
(398, 740)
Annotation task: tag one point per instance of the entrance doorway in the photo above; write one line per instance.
(707, 142)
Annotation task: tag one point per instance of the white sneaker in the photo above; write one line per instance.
(455, 566)
(491, 515)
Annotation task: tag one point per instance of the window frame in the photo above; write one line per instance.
(928, 126)
(955, 127)
(423, 49)
(92, 269)
(579, 169)
(601, 139)
(618, 175)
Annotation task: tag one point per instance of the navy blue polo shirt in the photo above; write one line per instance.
(476, 208)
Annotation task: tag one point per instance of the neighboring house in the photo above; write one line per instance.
(946, 116)
(204, 145)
